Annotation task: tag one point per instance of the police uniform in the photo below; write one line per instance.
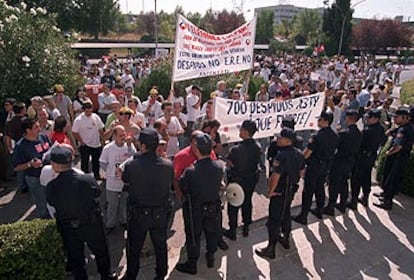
(78, 216)
(323, 146)
(149, 178)
(373, 136)
(287, 122)
(245, 160)
(396, 163)
(288, 163)
(202, 207)
(348, 148)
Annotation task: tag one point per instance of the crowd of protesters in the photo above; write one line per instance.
(105, 132)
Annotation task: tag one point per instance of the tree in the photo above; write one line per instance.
(388, 33)
(284, 29)
(223, 22)
(264, 27)
(34, 54)
(337, 25)
(90, 16)
(307, 25)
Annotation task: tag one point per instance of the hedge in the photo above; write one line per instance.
(31, 250)
(407, 92)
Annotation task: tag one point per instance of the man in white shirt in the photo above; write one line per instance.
(174, 129)
(113, 155)
(221, 89)
(193, 107)
(105, 100)
(88, 131)
(151, 108)
(182, 118)
(127, 80)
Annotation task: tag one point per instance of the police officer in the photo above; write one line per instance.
(397, 157)
(348, 148)
(78, 216)
(373, 136)
(287, 122)
(243, 160)
(201, 185)
(285, 173)
(318, 155)
(149, 178)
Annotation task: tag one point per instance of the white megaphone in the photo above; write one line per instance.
(234, 195)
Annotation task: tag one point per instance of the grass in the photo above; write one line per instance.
(407, 92)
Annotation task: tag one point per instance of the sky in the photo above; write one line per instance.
(367, 9)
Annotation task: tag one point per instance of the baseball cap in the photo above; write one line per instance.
(401, 111)
(352, 113)
(61, 154)
(148, 136)
(327, 116)
(287, 133)
(203, 141)
(250, 126)
(288, 121)
(373, 113)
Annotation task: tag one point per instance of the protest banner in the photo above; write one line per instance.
(267, 115)
(201, 54)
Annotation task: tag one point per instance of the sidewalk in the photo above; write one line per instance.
(368, 244)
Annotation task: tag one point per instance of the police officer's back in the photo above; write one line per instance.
(77, 213)
(318, 155)
(201, 185)
(149, 178)
(373, 136)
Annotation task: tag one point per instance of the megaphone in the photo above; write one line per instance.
(234, 195)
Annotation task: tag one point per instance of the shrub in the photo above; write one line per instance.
(408, 187)
(407, 92)
(31, 250)
(34, 54)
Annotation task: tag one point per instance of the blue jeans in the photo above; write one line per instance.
(21, 180)
(38, 194)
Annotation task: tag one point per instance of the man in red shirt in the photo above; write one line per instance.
(184, 159)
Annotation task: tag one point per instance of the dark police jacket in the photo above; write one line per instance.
(149, 177)
(273, 148)
(373, 136)
(323, 146)
(73, 195)
(350, 140)
(202, 182)
(288, 163)
(245, 158)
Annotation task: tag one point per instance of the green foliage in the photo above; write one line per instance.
(408, 187)
(34, 54)
(264, 27)
(31, 250)
(407, 92)
(279, 48)
(338, 15)
(90, 16)
(161, 77)
(308, 25)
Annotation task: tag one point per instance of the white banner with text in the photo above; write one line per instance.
(201, 54)
(267, 115)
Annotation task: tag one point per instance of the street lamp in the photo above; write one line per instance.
(156, 28)
(343, 23)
